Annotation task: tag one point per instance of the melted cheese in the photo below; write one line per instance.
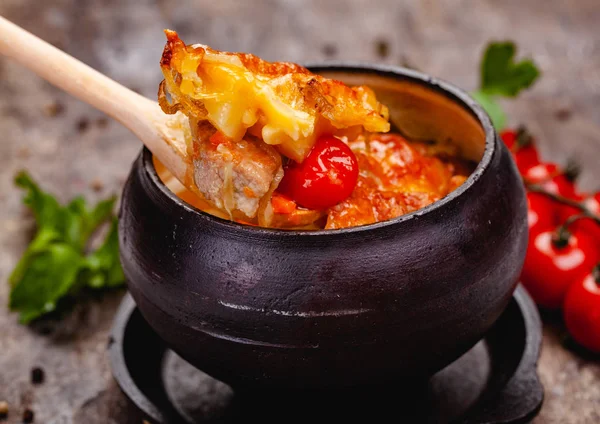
(284, 104)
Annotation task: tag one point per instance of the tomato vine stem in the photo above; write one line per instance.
(523, 138)
(585, 212)
(561, 236)
(596, 274)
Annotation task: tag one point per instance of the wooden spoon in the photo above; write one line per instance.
(162, 134)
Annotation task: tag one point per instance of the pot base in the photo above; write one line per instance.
(495, 381)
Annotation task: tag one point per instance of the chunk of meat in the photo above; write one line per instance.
(235, 176)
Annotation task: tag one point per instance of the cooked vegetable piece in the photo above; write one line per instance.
(282, 204)
(326, 177)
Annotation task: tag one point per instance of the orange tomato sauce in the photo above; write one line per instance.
(397, 177)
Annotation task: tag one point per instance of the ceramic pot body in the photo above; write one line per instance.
(399, 299)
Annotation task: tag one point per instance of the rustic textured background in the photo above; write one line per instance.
(73, 149)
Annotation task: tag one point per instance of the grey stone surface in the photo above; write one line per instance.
(80, 151)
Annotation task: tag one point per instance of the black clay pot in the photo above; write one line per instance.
(283, 309)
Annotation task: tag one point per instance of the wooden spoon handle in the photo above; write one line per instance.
(162, 134)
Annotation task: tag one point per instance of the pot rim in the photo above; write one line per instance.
(449, 90)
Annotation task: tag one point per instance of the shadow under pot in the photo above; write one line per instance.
(400, 299)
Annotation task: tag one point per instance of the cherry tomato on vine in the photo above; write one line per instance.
(550, 267)
(526, 158)
(585, 225)
(521, 145)
(549, 177)
(327, 176)
(541, 213)
(541, 172)
(592, 203)
(582, 310)
(566, 211)
(509, 137)
(590, 226)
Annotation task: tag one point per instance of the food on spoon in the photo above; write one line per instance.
(275, 145)
(261, 111)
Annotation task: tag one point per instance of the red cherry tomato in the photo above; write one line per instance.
(550, 270)
(582, 310)
(585, 225)
(592, 203)
(541, 172)
(521, 145)
(549, 177)
(565, 211)
(526, 158)
(327, 176)
(541, 213)
(509, 137)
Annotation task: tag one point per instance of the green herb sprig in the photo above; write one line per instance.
(501, 76)
(58, 261)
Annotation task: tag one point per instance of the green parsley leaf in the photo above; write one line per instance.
(501, 75)
(46, 209)
(104, 262)
(41, 241)
(56, 263)
(49, 276)
(81, 222)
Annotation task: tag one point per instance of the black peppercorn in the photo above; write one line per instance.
(37, 375)
(28, 416)
(329, 50)
(82, 125)
(382, 47)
